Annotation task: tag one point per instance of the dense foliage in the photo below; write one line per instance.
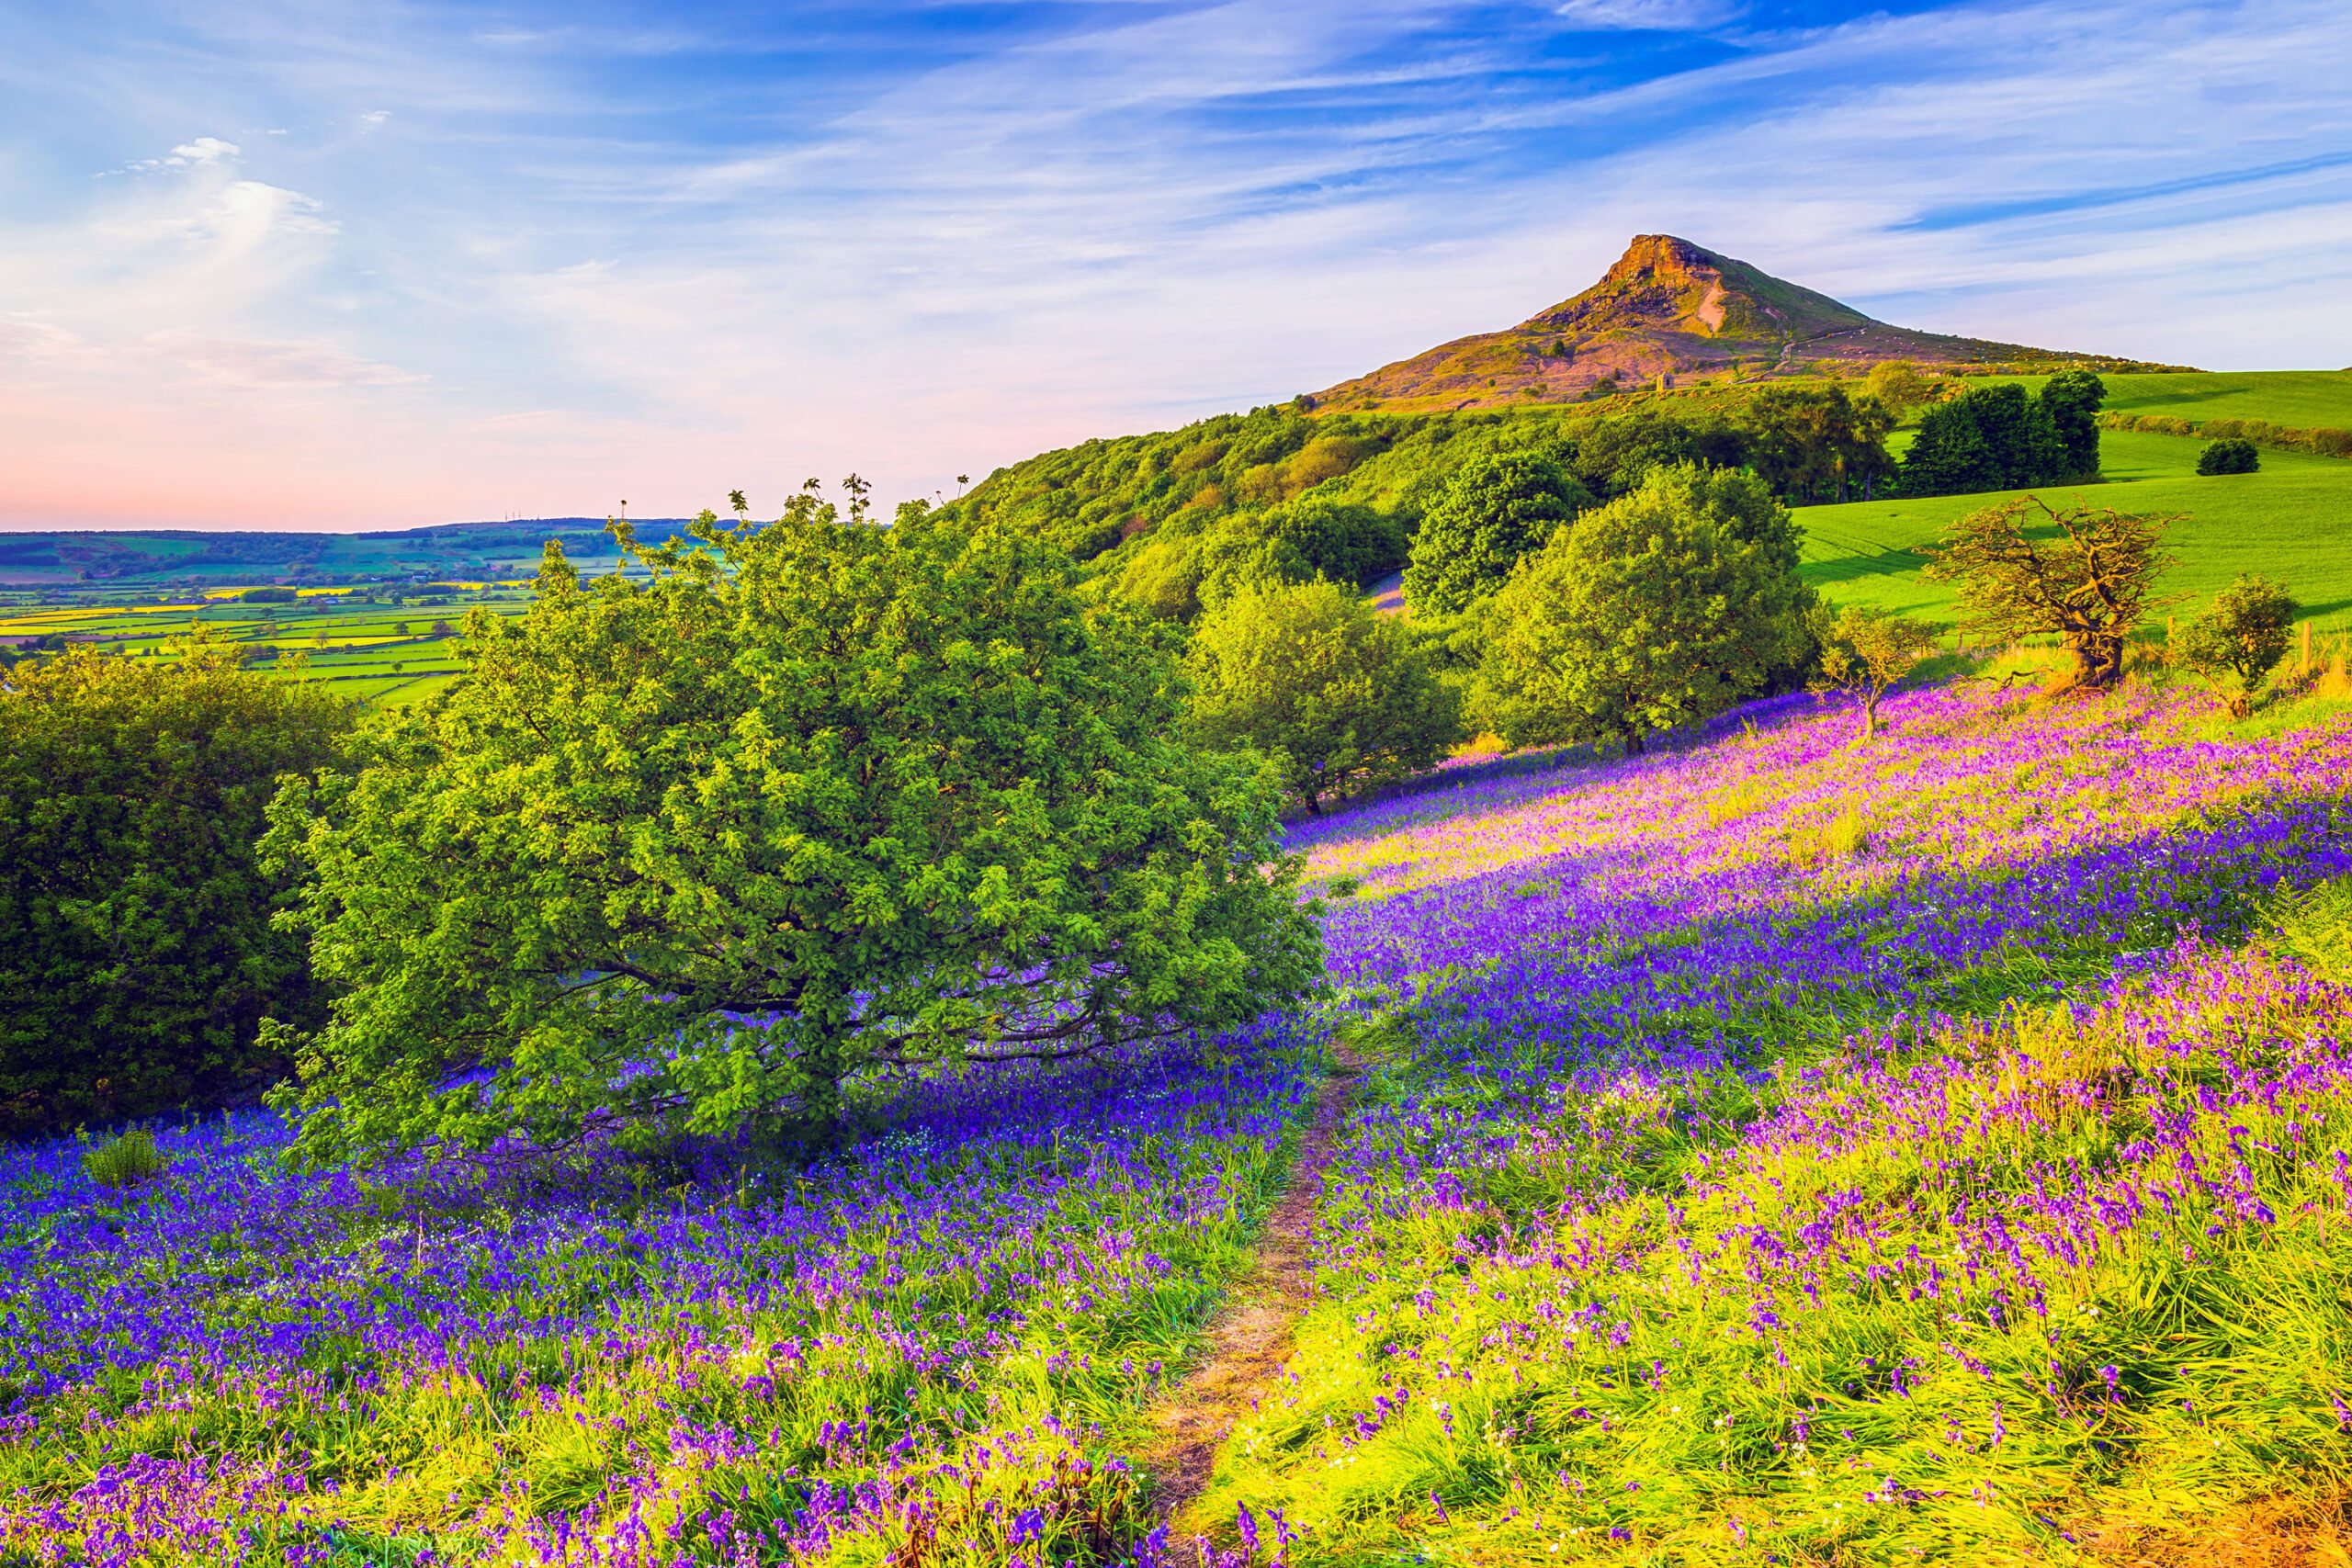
(2090, 586)
(1818, 443)
(2238, 642)
(1999, 437)
(690, 854)
(1312, 677)
(1658, 609)
(1175, 521)
(1494, 511)
(136, 952)
(2231, 455)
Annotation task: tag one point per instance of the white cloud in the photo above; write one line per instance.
(1655, 16)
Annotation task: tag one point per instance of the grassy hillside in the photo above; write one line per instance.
(2292, 521)
(1773, 1149)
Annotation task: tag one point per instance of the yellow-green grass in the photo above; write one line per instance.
(2291, 522)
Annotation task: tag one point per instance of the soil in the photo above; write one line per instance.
(1249, 1340)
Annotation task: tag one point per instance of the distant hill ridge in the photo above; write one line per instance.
(1670, 308)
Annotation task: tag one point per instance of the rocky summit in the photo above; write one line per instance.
(1669, 308)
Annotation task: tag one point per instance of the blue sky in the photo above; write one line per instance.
(364, 265)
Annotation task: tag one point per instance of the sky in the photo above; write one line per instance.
(381, 264)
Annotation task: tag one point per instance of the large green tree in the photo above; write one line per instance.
(2071, 399)
(1496, 508)
(691, 853)
(1658, 609)
(1988, 438)
(1818, 443)
(1310, 675)
(136, 952)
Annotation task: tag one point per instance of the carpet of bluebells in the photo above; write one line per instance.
(1777, 1148)
(917, 1354)
(1792, 1150)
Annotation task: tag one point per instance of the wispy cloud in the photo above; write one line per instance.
(535, 264)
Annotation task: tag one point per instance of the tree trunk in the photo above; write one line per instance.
(1869, 715)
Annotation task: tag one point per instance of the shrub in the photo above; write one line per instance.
(125, 1161)
(2238, 642)
(2234, 454)
(1864, 651)
(137, 955)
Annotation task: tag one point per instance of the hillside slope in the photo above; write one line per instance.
(1669, 308)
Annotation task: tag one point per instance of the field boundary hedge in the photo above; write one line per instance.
(2323, 441)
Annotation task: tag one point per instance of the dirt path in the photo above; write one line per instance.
(1248, 1341)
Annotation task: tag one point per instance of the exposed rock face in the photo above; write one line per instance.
(1673, 309)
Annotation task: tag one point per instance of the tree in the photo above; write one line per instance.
(1345, 541)
(1658, 609)
(2071, 399)
(1612, 456)
(1496, 508)
(1898, 386)
(1815, 443)
(136, 952)
(690, 853)
(2230, 455)
(2238, 642)
(1987, 438)
(2088, 587)
(1864, 651)
(1309, 675)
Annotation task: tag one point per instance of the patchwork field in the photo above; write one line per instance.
(378, 646)
(1775, 1148)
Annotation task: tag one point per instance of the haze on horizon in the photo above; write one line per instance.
(335, 265)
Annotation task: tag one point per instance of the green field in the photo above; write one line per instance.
(380, 648)
(2292, 522)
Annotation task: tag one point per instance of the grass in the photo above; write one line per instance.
(2000, 1219)
(2291, 522)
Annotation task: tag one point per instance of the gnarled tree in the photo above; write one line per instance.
(689, 854)
(2085, 575)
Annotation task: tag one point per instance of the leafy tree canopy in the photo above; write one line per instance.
(1311, 676)
(136, 952)
(1864, 651)
(2238, 642)
(1658, 609)
(1817, 443)
(1988, 438)
(1495, 510)
(688, 854)
(2073, 399)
